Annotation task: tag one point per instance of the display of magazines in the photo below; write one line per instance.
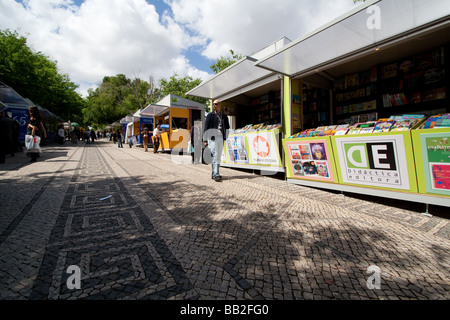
(383, 126)
(438, 121)
(256, 127)
(392, 124)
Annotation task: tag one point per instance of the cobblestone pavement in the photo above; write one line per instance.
(139, 226)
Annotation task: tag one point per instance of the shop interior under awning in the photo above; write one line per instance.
(405, 47)
(351, 36)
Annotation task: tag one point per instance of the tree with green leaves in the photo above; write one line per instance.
(179, 86)
(116, 97)
(224, 62)
(34, 76)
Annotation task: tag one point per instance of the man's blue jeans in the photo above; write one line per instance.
(216, 147)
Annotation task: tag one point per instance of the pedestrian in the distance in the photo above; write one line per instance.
(119, 139)
(35, 128)
(145, 138)
(216, 129)
(93, 136)
(61, 134)
(156, 138)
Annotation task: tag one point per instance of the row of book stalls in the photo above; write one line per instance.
(173, 114)
(350, 107)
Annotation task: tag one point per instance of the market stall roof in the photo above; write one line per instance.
(129, 118)
(153, 110)
(173, 101)
(170, 101)
(240, 77)
(368, 30)
(9, 96)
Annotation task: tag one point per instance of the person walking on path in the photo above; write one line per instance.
(156, 138)
(119, 139)
(35, 128)
(93, 136)
(145, 138)
(216, 128)
(61, 134)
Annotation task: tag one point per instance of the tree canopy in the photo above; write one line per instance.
(34, 76)
(224, 62)
(118, 96)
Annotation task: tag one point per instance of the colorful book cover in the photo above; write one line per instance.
(443, 122)
(431, 121)
(366, 130)
(366, 127)
(441, 176)
(402, 125)
(354, 130)
(341, 132)
(383, 126)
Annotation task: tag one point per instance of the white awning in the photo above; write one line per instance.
(173, 101)
(153, 110)
(170, 101)
(240, 76)
(367, 29)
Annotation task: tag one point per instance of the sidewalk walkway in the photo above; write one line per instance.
(139, 226)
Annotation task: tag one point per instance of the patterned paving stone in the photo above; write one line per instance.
(140, 226)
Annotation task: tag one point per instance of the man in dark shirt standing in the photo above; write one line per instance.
(216, 127)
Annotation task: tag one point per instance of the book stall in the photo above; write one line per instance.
(403, 157)
(254, 147)
(379, 86)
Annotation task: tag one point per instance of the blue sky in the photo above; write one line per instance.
(91, 39)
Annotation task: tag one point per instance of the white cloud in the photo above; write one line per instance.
(247, 26)
(107, 37)
(101, 38)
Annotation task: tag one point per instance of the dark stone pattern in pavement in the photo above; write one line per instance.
(111, 240)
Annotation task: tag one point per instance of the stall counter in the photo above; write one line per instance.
(310, 159)
(254, 150)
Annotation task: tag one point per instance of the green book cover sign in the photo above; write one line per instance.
(438, 152)
(432, 156)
